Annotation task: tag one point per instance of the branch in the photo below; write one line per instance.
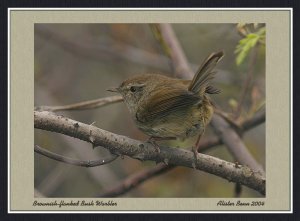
(82, 163)
(91, 104)
(254, 121)
(166, 36)
(244, 126)
(235, 145)
(136, 179)
(122, 145)
(142, 176)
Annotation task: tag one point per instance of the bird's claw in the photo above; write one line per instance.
(156, 146)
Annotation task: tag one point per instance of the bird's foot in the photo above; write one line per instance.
(152, 140)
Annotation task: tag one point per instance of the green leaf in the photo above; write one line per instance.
(246, 44)
(244, 47)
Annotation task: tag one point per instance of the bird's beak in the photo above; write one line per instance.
(113, 89)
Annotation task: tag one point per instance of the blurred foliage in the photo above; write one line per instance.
(106, 54)
(250, 40)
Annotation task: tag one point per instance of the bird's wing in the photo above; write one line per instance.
(167, 101)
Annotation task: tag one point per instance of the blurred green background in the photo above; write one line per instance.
(78, 62)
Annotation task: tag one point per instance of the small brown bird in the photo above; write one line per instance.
(170, 108)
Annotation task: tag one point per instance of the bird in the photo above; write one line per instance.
(167, 108)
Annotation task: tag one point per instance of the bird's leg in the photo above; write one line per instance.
(153, 140)
(196, 147)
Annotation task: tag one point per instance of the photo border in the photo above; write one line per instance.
(155, 9)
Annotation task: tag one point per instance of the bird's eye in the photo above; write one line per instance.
(133, 89)
(136, 87)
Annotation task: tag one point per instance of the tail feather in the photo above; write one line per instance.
(200, 82)
(212, 90)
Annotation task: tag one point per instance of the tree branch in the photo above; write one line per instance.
(91, 104)
(167, 38)
(82, 163)
(136, 179)
(254, 121)
(235, 145)
(122, 145)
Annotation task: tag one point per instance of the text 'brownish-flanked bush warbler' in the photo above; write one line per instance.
(169, 108)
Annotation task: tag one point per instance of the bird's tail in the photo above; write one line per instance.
(200, 83)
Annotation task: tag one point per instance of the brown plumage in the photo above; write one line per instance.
(168, 107)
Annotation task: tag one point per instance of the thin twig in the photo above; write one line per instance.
(253, 121)
(247, 83)
(122, 145)
(91, 104)
(136, 179)
(244, 126)
(67, 160)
